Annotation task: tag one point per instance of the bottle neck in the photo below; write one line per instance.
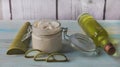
(104, 42)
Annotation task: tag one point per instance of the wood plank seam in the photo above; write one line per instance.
(56, 9)
(104, 10)
(10, 6)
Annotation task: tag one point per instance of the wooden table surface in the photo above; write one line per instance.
(8, 30)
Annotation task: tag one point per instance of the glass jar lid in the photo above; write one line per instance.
(83, 44)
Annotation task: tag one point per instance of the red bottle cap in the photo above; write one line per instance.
(109, 48)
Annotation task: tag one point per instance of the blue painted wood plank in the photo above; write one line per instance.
(76, 58)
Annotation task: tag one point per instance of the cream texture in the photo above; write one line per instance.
(47, 36)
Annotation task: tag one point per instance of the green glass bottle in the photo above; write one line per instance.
(96, 32)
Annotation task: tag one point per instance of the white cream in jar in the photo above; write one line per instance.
(47, 36)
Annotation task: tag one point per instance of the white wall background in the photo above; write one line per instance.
(58, 9)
